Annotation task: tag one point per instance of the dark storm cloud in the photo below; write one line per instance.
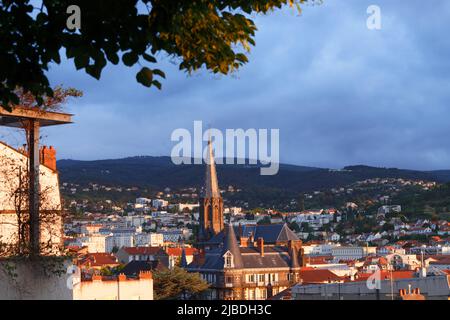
(340, 93)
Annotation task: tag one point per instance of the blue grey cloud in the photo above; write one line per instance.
(339, 93)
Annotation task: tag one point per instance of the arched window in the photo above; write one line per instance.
(228, 260)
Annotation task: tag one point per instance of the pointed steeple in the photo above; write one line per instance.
(230, 244)
(211, 202)
(183, 262)
(286, 234)
(211, 183)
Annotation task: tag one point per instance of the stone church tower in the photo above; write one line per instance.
(211, 202)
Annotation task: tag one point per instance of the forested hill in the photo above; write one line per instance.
(160, 172)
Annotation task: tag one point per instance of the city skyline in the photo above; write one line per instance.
(332, 115)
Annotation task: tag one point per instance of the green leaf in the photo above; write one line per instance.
(94, 71)
(241, 57)
(149, 58)
(157, 84)
(81, 61)
(41, 18)
(130, 58)
(159, 73)
(56, 57)
(70, 52)
(113, 57)
(145, 77)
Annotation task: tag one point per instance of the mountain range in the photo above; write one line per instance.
(160, 172)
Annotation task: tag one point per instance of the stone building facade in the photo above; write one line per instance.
(249, 270)
(14, 199)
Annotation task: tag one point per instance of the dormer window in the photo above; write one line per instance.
(229, 260)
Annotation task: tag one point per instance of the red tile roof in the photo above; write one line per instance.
(386, 275)
(178, 251)
(318, 276)
(376, 260)
(318, 259)
(98, 260)
(142, 250)
(441, 260)
(73, 248)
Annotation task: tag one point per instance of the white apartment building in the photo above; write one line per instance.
(148, 239)
(408, 261)
(320, 249)
(159, 203)
(315, 218)
(119, 240)
(94, 243)
(175, 235)
(233, 210)
(345, 253)
(90, 228)
(182, 206)
(123, 288)
(340, 269)
(389, 209)
(144, 201)
(135, 221)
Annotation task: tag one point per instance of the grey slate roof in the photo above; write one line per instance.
(271, 233)
(133, 268)
(250, 257)
(274, 257)
(231, 244)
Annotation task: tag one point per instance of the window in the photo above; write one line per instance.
(274, 277)
(250, 278)
(228, 279)
(261, 277)
(263, 294)
(228, 260)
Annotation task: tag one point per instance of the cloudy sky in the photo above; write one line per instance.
(339, 93)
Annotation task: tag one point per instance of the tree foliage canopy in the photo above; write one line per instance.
(211, 34)
(55, 102)
(175, 283)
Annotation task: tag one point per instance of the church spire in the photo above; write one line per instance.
(211, 202)
(211, 183)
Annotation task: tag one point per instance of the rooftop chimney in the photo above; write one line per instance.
(47, 157)
(145, 275)
(201, 257)
(244, 241)
(96, 277)
(251, 239)
(261, 246)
